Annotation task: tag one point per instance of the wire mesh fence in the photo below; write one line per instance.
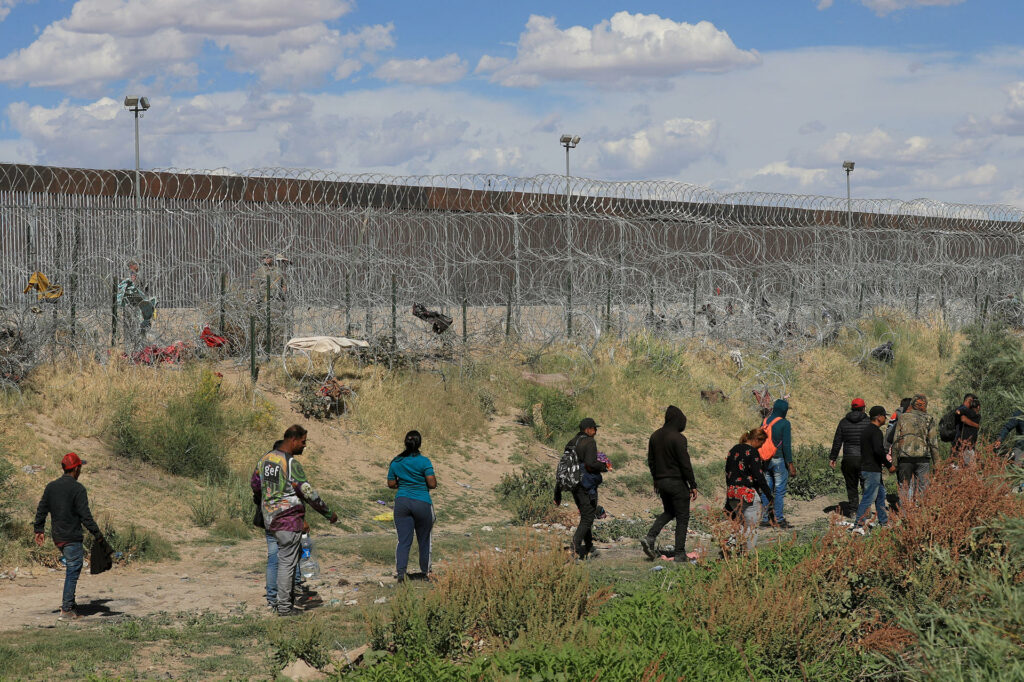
(264, 255)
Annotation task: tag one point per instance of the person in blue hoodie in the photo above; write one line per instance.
(780, 467)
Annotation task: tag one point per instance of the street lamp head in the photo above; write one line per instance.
(136, 102)
(848, 166)
(565, 139)
(575, 140)
(569, 141)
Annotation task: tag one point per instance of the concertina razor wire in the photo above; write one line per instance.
(531, 262)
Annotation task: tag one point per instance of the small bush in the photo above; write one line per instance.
(559, 414)
(7, 496)
(186, 438)
(610, 531)
(528, 492)
(136, 544)
(203, 508)
(494, 597)
(638, 484)
(814, 475)
(992, 366)
(310, 641)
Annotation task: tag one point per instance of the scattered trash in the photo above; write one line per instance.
(382, 502)
(342, 582)
(498, 549)
(657, 568)
(465, 485)
(380, 601)
(351, 602)
(439, 322)
(486, 528)
(333, 602)
(32, 468)
(386, 516)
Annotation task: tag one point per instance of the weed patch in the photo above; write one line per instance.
(528, 493)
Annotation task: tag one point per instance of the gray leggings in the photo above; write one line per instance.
(412, 515)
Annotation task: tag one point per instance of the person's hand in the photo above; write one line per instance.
(892, 470)
(832, 463)
(305, 527)
(693, 493)
(40, 539)
(334, 517)
(792, 469)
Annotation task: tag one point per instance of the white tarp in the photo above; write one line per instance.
(325, 344)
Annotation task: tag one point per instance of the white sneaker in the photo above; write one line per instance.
(858, 530)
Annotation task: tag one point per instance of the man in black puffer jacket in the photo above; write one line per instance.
(669, 462)
(847, 437)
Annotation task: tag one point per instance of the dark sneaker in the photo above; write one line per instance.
(69, 615)
(766, 524)
(650, 547)
(593, 554)
(784, 524)
(288, 614)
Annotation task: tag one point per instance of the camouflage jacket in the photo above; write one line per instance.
(915, 436)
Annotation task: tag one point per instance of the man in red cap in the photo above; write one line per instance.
(67, 503)
(847, 437)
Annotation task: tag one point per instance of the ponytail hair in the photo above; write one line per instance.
(752, 435)
(413, 440)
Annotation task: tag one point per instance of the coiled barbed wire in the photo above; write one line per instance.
(528, 261)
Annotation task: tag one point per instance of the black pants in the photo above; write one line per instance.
(851, 474)
(583, 540)
(675, 498)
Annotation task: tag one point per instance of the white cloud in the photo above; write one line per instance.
(447, 69)
(109, 40)
(663, 148)
(803, 177)
(1010, 121)
(975, 177)
(626, 46)
(5, 7)
(879, 146)
(824, 4)
(883, 7)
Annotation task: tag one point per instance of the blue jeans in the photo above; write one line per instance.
(874, 491)
(73, 555)
(777, 476)
(272, 570)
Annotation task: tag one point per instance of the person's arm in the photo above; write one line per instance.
(837, 443)
(589, 457)
(306, 492)
(82, 509)
(681, 452)
(40, 522)
(257, 487)
(970, 422)
(878, 448)
(558, 494)
(392, 476)
(754, 464)
(429, 477)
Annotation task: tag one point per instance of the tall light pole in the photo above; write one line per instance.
(569, 142)
(848, 167)
(137, 105)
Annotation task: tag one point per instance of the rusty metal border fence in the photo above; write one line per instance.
(520, 260)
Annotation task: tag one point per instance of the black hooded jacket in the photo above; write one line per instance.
(667, 454)
(848, 434)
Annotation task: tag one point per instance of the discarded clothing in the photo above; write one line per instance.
(101, 557)
(439, 322)
(325, 344)
(45, 290)
(211, 339)
(884, 353)
(176, 352)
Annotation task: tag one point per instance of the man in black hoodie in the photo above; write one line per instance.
(669, 462)
(586, 451)
(848, 438)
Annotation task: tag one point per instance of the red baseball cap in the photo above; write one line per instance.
(857, 402)
(71, 461)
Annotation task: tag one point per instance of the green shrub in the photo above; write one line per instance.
(814, 475)
(309, 640)
(7, 496)
(613, 529)
(135, 544)
(991, 365)
(638, 484)
(559, 413)
(528, 492)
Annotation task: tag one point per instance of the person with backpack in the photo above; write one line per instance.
(579, 456)
(914, 447)
(890, 430)
(744, 479)
(874, 458)
(284, 490)
(412, 475)
(847, 437)
(968, 421)
(777, 459)
(669, 461)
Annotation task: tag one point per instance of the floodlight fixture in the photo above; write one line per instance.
(848, 166)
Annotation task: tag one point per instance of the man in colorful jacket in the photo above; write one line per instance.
(284, 490)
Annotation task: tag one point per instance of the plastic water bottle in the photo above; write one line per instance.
(309, 567)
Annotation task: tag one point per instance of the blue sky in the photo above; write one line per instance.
(739, 95)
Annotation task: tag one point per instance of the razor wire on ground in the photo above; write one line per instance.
(488, 261)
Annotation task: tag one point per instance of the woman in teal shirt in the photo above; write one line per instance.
(412, 475)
